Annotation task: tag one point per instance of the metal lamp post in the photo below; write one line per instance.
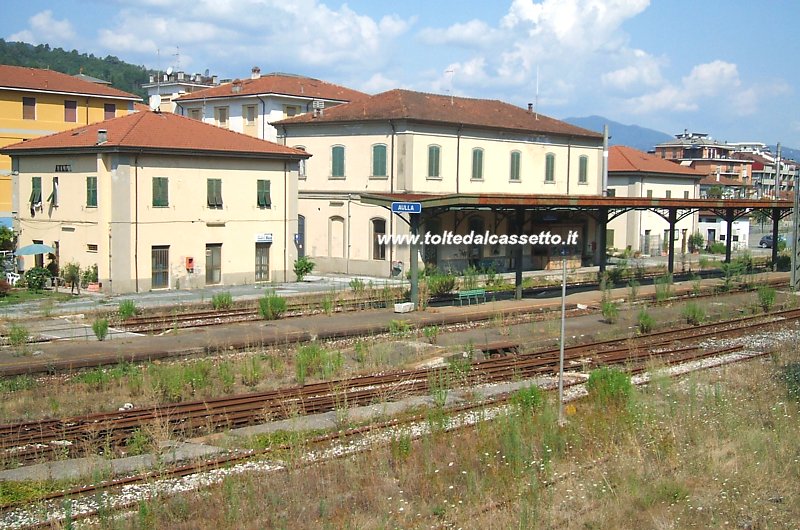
(563, 328)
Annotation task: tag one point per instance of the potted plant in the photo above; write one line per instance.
(89, 279)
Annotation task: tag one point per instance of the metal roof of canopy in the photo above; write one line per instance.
(497, 200)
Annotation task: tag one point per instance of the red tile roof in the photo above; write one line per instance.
(23, 78)
(433, 108)
(283, 84)
(154, 131)
(623, 159)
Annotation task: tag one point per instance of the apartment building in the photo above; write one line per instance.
(35, 102)
(169, 86)
(414, 143)
(711, 157)
(251, 106)
(160, 201)
(633, 173)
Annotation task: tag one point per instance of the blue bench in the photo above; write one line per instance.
(472, 294)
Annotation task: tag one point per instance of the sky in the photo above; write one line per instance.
(723, 67)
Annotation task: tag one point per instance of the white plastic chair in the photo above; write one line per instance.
(12, 278)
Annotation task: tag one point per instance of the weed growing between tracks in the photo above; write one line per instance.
(714, 449)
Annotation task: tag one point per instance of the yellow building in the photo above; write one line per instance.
(36, 102)
(159, 201)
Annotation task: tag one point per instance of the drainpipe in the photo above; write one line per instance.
(605, 161)
(391, 190)
(264, 120)
(285, 221)
(136, 219)
(458, 153)
(347, 257)
(569, 159)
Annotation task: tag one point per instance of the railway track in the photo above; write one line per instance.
(31, 441)
(155, 324)
(242, 457)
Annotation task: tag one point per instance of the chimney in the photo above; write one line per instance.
(530, 108)
(255, 73)
(215, 80)
(102, 136)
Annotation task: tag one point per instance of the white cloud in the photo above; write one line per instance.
(378, 83)
(44, 29)
(577, 24)
(303, 33)
(472, 33)
(570, 42)
(642, 70)
(709, 80)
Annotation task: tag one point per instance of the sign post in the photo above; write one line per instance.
(413, 209)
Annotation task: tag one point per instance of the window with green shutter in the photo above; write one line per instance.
(477, 164)
(91, 192)
(337, 161)
(53, 198)
(160, 192)
(214, 193)
(515, 166)
(263, 198)
(583, 169)
(36, 191)
(379, 160)
(550, 167)
(434, 152)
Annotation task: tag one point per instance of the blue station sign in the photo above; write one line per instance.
(407, 207)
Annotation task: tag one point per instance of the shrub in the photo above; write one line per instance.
(528, 399)
(441, 283)
(646, 321)
(100, 328)
(766, 297)
(663, 287)
(222, 301)
(696, 241)
(791, 376)
(303, 267)
(18, 336)
(470, 278)
(610, 311)
(609, 386)
(72, 275)
(784, 262)
(36, 278)
(431, 333)
(717, 247)
(89, 275)
(127, 309)
(5, 288)
(271, 307)
(694, 314)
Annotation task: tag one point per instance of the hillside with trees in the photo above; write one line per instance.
(121, 75)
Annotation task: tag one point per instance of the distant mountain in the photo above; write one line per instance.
(121, 75)
(786, 152)
(630, 135)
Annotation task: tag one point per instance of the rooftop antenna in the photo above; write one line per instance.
(452, 73)
(536, 99)
(177, 56)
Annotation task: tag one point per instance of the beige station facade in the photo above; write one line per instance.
(159, 201)
(409, 142)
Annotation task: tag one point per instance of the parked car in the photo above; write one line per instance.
(766, 241)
